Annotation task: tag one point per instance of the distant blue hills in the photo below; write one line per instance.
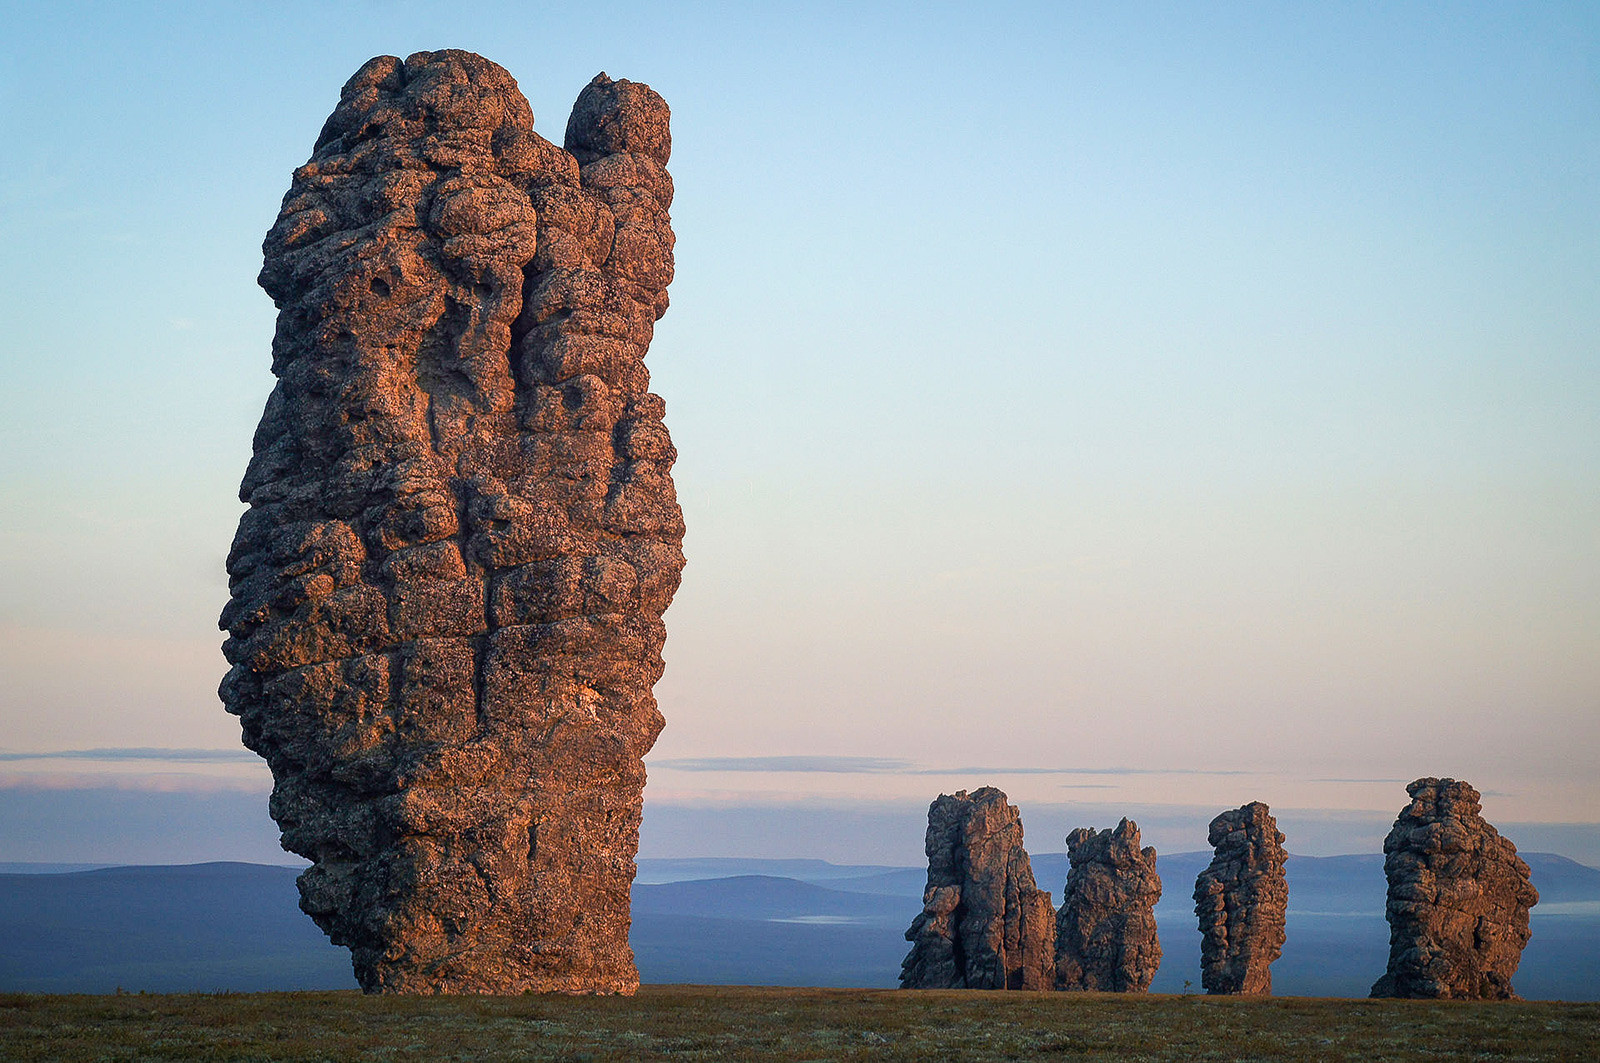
(234, 926)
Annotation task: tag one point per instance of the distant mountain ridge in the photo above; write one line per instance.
(767, 897)
(1348, 878)
(658, 869)
(202, 927)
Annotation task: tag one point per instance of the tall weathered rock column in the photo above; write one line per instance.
(1106, 937)
(1459, 897)
(984, 924)
(447, 591)
(1242, 899)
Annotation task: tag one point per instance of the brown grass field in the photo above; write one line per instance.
(748, 1023)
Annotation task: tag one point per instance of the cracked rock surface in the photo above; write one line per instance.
(1459, 897)
(447, 591)
(1242, 899)
(984, 924)
(1106, 929)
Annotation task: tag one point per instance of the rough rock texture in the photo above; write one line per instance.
(1106, 929)
(447, 591)
(1459, 897)
(1241, 899)
(984, 924)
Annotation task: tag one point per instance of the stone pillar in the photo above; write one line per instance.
(1458, 902)
(447, 591)
(984, 924)
(1106, 937)
(1241, 900)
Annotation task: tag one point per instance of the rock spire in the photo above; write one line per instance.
(1106, 929)
(1459, 897)
(462, 533)
(1241, 900)
(984, 924)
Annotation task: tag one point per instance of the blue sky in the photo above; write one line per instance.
(1195, 401)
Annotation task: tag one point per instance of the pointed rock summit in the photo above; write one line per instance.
(447, 591)
(984, 923)
(1106, 929)
(1459, 897)
(1242, 899)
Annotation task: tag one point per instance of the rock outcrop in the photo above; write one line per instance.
(984, 924)
(1241, 900)
(1459, 897)
(1106, 929)
(462, 533)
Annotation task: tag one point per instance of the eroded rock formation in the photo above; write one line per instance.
(1106, 929)
(447, 591)
(1459, 897)
(984, 924)
(1241, 900)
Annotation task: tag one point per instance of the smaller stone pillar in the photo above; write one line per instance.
(1106, 930)
(1241, 900)
(984, 924)
(1458, 902)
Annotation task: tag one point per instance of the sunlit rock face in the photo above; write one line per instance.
(984, 924)
(1242, 899)
(1106, 937)
(447, 591)
(1459, 897)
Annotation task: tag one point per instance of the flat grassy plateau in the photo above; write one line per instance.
(748, 1023)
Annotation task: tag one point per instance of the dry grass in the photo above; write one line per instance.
(743, 1023)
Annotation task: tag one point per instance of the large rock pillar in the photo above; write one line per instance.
(447, 591)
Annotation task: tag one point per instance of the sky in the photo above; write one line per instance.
(1144, 408)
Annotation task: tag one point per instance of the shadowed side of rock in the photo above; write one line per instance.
(984, 923)
(1106, 937)
(447, 592)
(1458, 902)
(1242, 900)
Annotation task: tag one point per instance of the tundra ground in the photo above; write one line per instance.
(749, 1023)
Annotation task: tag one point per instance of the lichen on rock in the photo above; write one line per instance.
(1458, 902)
(1106, 937)
(1242, 899)
(984, 923)
(462, 533)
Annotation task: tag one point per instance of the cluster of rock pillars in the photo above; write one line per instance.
(1458, 903)
(447, 591)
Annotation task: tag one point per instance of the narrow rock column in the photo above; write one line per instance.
(984, 923)
(1459, 898)
(1241, 900)
(447, 591)
(1106, 937)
